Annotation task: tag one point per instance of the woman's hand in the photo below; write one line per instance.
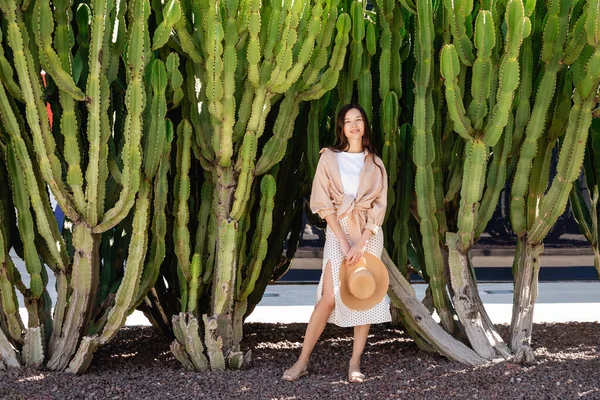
(355, 254)
(345, 247)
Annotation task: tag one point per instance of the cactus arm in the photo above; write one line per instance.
(204, 218)
(36, 113)
(485, 41)
(6, 75)
(539, 178)
(450, 68)
(214, 80)
(495, 181)
(306, 50)
(330, 76)
(159, 222)
(212, 239)
(319, 56)
(195, 269)
(51, 60)
(134, 100)
(186, 41)
(592, 23)
(457, 11)
(358, 34)
(519, 27)
(158, 107)
(125, 296)
(581, 211)
(523, 111)
(576, 41)
(562, 105)
(119, 45)
(386, 9)
(401, 231)
(244, 111)
(259, 244)
(314, 120)
(537, 120)
(224, 277)
(200, 121)
(253, 54)
(274, 149)
(409, 6)
(10, 278)
(570, 158)
(397, 41)
(181, 234)
(423, 155)
(245, 166)
(230, 60)
(68, 119)
(105, 123)
(390, 114)
(472, 190)
(26, 226)
(171, 15)
(47, 229)
(284, 49)
(94, 125)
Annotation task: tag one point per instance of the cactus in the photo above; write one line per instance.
(225, 136)
(96, 203)
(533, 209)
(586, 203)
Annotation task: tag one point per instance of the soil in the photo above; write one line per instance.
(139, 365)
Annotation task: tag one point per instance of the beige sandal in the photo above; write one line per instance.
(356, 377)
(291, 376)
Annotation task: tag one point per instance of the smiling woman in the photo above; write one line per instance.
(349, 191)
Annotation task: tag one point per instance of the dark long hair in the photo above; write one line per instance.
(342, 141)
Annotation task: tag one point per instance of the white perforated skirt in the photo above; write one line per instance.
(342, 315)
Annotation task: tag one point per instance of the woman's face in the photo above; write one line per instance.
(354, 125)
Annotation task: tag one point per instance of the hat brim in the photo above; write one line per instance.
(382, 283)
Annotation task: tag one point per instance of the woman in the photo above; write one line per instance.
(349, 191)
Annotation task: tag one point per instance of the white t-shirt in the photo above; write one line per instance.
(350, 165)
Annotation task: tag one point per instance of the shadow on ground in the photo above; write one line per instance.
(138, 365)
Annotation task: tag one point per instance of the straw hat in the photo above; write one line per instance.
(363, 285)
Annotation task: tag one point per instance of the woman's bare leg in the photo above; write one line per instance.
(361, 332)
(317, 321)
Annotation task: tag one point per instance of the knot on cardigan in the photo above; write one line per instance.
(354, 210)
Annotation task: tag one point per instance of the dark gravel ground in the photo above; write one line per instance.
(138, 365)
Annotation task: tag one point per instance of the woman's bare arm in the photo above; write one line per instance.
(334, 225)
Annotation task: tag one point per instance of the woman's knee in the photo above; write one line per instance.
(327, 302)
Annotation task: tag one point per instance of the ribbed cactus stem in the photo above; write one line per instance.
(358, 34)
(519, 27)
(472, 189)
(458, 10)
(35, 110)
(100, 11)
(135, 103)
(68, 123)
(423, 156)
(450, 69)
(156, 139)
(125, 296)
(26, 227)
(537, 120)
(181, 234)
(259, 244)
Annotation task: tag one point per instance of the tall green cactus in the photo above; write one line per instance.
(230, 37)
(533, 209)
(92, 299)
